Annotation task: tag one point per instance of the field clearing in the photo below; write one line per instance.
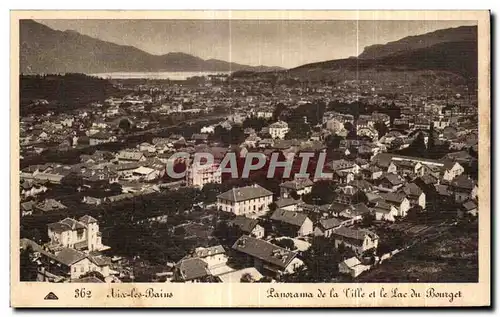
(452, 258)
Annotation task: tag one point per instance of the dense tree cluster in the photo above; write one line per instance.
(63, 92)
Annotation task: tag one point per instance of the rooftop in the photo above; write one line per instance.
(264, 251)
(245, 224)
(290, 217)
(245, 193)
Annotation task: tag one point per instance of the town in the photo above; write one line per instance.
(97, 204)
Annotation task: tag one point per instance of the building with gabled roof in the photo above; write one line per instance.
(248, 226)
(252, 201)
(215, 257)
(398, 200)
(191, 270)
(130, 156)
(81, 234)
(385, 211)
(360, 240)
(301, 186)
(389, 182)
(292, 223)
(65, 264)
(289, 203)
(353, 267)
(415, 195)
(326, 226)
(463, 188)
(266, 257)
(48, 205)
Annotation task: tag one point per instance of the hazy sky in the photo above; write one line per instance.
(253, 42)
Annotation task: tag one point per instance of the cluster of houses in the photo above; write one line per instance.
(368, 180)
(387, 192)
(75, 249)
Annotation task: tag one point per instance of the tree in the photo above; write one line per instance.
(431, 141)
(265, 279)
(381, 128)
(321, 260)
(277, 111)
(28, 268)
(298, 130)
(237, 135)
(284, 243)
(333, 141)
(227, 234)
(322, 192)
(247, 278)
(396, 143)
(294, 194)
(125, 125)
(255, 123)
(348, 126)
(273, 206)
(95, 274)
(148, 107)
(368, 219)
(72, 180)
(115, 189)
(414, 212)
(210, 192)
(179, 231)
(417, 147)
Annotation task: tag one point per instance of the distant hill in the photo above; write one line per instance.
(410, 43)
(459, 58)
(45, 50)
(424, 60)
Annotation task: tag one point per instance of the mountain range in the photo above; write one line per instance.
(459, 34)
(447, 53)
(450, 53)
(45, 50)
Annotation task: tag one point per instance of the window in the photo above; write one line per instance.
(74, 269)
(82, 269)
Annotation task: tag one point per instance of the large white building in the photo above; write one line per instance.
(252, 201)
(278, 130)
(200, 175)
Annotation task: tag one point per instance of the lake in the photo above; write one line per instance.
(156, 75)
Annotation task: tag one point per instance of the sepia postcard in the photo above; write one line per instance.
(250, 159)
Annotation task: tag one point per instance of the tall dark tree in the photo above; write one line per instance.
(349, 126)
(237, 135)
(255, 123)
(417, 147)
(277, 111)
(125, 125)
(381, 128)
(72, 180)
(27, 266)
(210, 192)
(333, 141)
(431, 143)
(227, 234)
(322, 192)
(367, 219)
(322, 260)
(298, 130)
